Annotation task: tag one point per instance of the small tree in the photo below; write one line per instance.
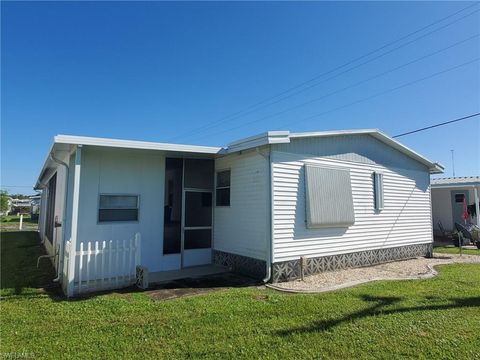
(3, 201)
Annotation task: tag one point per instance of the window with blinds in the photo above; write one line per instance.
(118, 208)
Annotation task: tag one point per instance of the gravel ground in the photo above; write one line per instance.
(405, 269)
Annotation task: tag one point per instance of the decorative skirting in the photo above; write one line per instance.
(141, 277)
(240, 264)
(290, 270)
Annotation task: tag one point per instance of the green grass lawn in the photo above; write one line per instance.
(455, 250)
(11, 222)
(437, 318)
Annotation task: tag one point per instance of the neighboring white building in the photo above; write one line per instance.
(447, 201)
(338, 199)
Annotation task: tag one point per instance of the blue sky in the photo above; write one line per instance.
(163, 72)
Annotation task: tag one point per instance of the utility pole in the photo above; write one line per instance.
(453, 163)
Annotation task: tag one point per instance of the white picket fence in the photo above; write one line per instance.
(104, 265)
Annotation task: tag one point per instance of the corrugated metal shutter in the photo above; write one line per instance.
(378, 190)
(329, 201)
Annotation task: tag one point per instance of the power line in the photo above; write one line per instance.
(437, 125)
(353, 85)
(366, 98)
(252, 108)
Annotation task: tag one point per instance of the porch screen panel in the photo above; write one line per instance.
(50, 218)
(199, 174)
(198, 209)
(198, 239)
(328, 195)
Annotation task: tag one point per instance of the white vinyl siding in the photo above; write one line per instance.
(405, 219)
(243, 228)
(116, 171)
(328, 195)
(360, 148)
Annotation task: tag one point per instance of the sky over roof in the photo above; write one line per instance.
(210, 73)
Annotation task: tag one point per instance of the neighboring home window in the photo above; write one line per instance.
(118, 208)
(328, 194)
(222, 194)
(378, 190)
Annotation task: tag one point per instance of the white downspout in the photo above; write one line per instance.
(269, 242)
(62, 242)
(74, 224)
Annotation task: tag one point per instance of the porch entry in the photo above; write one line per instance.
(188, 213)
(457, 205)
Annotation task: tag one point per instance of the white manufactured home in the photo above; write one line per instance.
(116, 212)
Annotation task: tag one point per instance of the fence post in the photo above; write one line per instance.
(20, 225)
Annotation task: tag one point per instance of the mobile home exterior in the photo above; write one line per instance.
(115, 210)
(448, 195)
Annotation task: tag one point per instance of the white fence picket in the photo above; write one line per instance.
(107, 264)
(95, 267)
(80, 268)
(89, 255)
(104, 255)
(130, 256)
(124, 262)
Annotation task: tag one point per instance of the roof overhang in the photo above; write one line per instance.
(266, 138)
(455, 183)
(133, 144)
(457, 186)
(68, 143)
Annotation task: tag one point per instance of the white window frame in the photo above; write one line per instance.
(118, 221)
(223, 187)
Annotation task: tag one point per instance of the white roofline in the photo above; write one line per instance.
(118, 143)
(455, 186)
(270, 137)
(133, 144)
(333, 133)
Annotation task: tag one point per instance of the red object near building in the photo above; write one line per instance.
(465, 210)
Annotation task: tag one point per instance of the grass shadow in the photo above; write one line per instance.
(381, 306)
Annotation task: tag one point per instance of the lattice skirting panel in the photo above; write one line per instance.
(240, 264)
(290, 270)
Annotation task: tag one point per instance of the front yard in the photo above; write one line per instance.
(434, 318)
(450, 249)
(12, 222)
